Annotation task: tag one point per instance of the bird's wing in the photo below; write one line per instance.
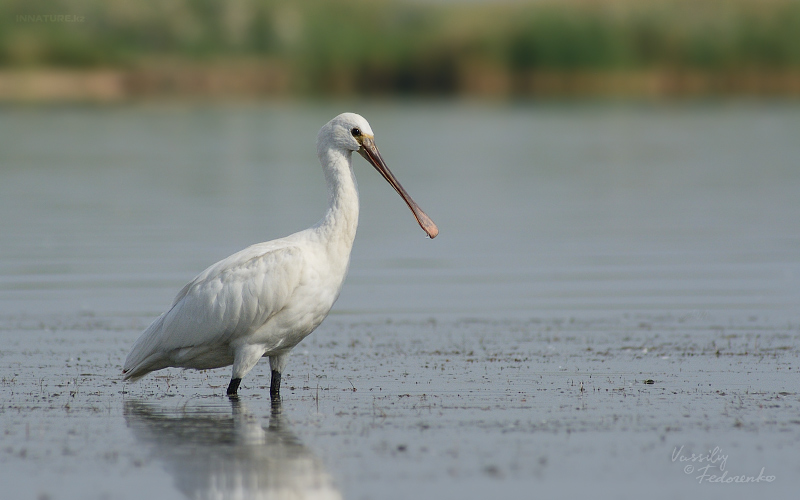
(233, 297)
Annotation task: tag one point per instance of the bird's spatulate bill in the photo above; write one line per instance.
(370, 153)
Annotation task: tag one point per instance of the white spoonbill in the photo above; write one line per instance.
(263, 300)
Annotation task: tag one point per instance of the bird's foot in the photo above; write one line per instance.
(234, 386)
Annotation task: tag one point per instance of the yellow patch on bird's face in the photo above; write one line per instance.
(360, 136)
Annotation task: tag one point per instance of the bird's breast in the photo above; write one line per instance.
(310, 302)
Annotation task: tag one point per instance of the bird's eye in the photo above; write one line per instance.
(356, 131)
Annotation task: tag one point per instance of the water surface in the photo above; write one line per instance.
(572, 207)
(584, 249)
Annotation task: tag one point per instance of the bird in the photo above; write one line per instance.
(263, 300)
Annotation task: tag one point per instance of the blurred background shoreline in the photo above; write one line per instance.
(109, 51)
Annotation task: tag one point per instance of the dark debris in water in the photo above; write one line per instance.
(466, 392)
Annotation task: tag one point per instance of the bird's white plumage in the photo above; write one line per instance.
(265, 299)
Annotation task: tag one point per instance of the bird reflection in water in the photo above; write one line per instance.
(213, 454)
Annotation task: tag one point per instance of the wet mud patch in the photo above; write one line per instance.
(390, 409)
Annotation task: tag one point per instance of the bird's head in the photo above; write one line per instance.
(351, 132)
(346, 132)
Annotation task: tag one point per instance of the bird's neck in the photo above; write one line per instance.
(338, 227)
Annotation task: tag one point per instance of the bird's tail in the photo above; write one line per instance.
(132, 372)
(144, 357)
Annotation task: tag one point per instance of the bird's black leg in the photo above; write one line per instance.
(275, 386)
(234, 386)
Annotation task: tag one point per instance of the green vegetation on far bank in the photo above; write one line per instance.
(319, 46)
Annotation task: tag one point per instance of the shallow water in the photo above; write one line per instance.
(584, 250)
